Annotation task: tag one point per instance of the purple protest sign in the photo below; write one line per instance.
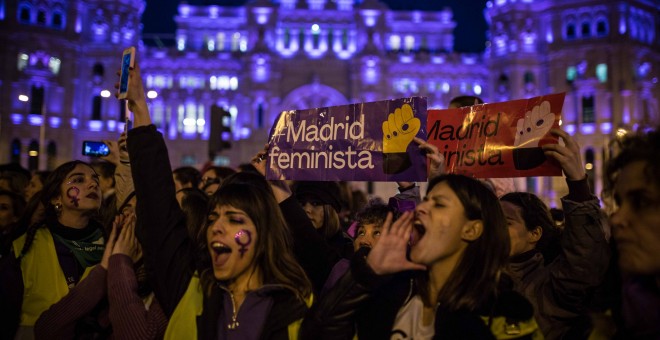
(357, 142)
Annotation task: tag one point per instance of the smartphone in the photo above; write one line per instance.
(127, 61)
(95, 149)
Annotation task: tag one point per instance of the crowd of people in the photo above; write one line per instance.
(128, 248)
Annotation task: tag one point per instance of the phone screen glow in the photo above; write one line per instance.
(125, 64)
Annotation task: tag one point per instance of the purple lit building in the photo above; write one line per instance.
(59, 58)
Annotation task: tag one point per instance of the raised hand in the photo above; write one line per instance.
(388, 256)
(127, 243)
(113, 156)
(137, 102)
(436, 159)
(259, 160)
(568, 155)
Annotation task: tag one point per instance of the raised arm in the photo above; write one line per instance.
(585, 252)
(313, 253)
(131, 318)
(161, 227)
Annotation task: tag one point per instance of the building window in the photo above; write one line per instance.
(260, 115)
(601, 72)
(585, 29)
(236, 41)
(57, 21)
(528, 77)
(22, 61)
(601, 28)
(570, 31)
(24, 14)
(15, 151)
(571, 74)
(54, 65)
(409, 43)
(588, 113)
(41, 17)
(37, 100)
(96, 108)
(395, 42)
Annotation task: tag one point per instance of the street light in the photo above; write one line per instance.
(23, 98)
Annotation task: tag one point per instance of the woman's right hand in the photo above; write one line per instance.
(137, 101)
(388, 256)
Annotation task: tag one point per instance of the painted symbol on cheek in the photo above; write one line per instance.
(240, 236)
(74, 198)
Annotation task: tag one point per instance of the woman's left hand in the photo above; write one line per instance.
(127, 243)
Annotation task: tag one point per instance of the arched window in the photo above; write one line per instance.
(503, 83)
(570, 31)
(15, 151)
(98, 70)
(588, 112)
(57, 21)
(585, 29)
(24, 14)
(602, 28)
(41, 17)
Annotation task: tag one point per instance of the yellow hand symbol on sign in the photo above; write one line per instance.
(400, 129)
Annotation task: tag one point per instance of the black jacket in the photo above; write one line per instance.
(169, 251)
(367, 304)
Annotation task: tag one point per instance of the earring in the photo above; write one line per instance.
(58, 208)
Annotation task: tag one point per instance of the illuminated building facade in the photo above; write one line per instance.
(259, 59)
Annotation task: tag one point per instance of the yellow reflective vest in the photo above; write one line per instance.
(43, 279)
(183, 322)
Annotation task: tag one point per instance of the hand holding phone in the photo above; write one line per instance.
(95, 149)
(127, 62)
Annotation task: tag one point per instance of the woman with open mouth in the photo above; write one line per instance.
(62, 248)
(252, 287)
(458, 244)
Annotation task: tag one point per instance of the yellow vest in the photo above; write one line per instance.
(43, 279)
(183, 323)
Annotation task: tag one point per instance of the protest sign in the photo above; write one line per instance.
(356, 142)
(499, 139)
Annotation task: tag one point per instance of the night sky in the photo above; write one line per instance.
(470, 32)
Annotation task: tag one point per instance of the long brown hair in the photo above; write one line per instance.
(474, 279)
(273, 256)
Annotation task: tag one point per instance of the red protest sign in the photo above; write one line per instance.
(498, 139)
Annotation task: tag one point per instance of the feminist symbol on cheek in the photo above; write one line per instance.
(240, 236)
(74, 198)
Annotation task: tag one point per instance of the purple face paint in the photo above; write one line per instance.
(243, 238)
(74, 198)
